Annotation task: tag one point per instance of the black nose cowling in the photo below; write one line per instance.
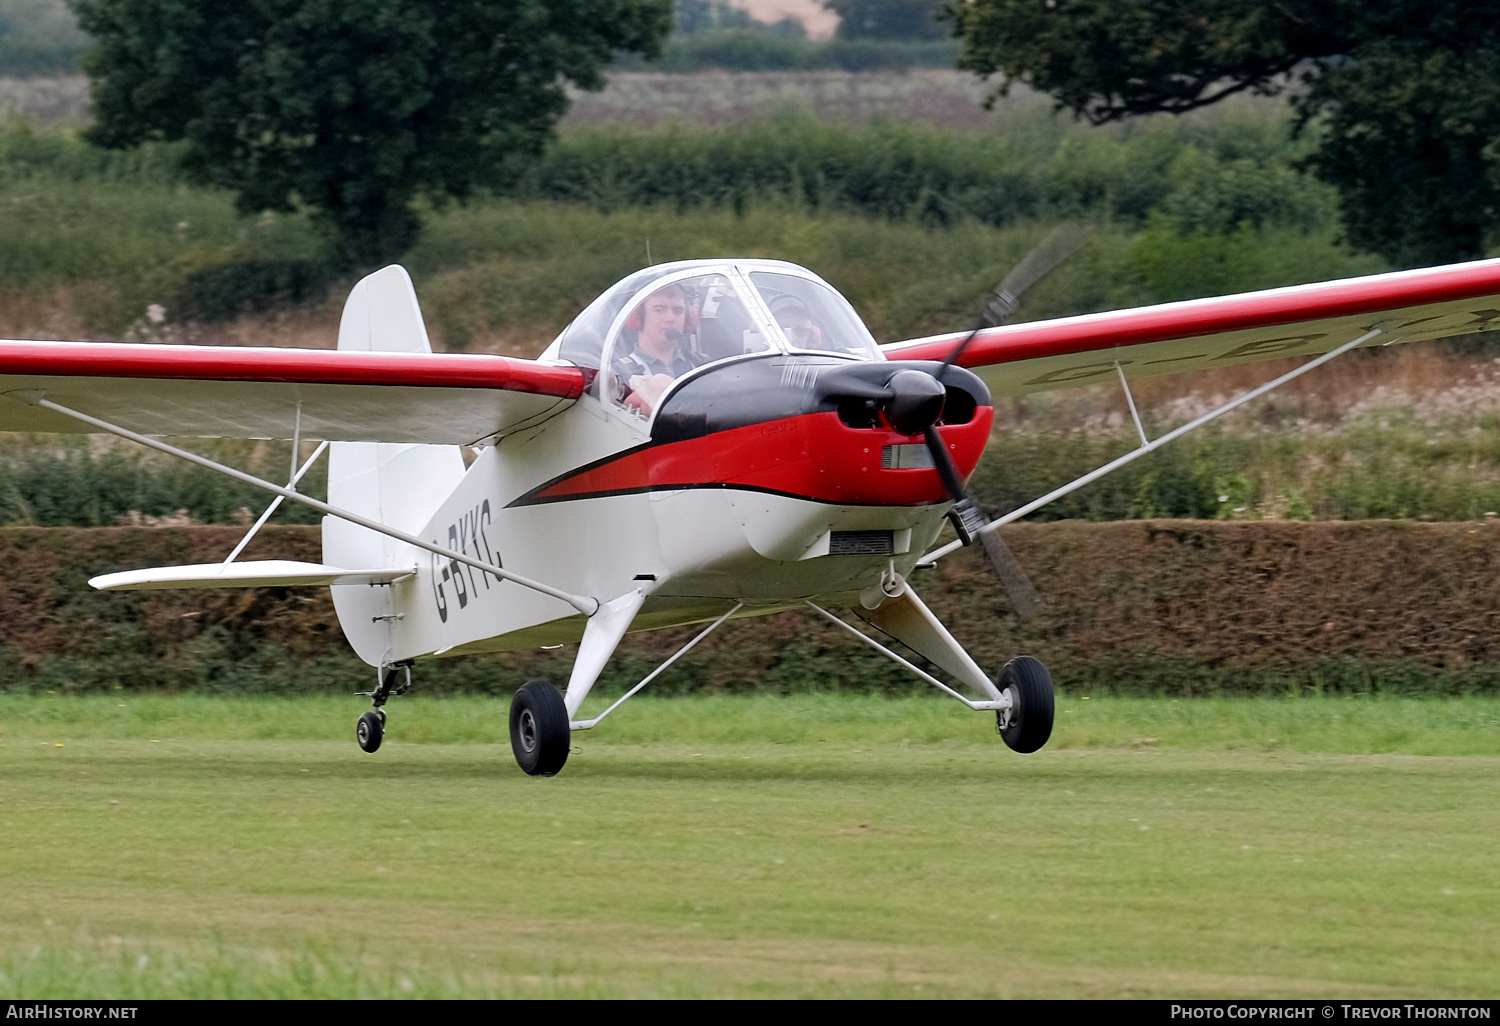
(915, 401)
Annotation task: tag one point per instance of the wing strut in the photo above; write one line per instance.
(1152, 446)
(583, 603)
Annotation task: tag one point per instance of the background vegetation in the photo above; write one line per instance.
(1178, 209)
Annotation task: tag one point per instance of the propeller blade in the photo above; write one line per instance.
(1024, 598)
(1060, 244)
(969, 522)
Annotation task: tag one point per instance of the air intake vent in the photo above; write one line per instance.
(905, 457)
(862, 543)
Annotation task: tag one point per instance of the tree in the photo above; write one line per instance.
(355, 108)
(1401, 93)
(903, 20)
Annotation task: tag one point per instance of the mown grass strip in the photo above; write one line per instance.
(817, 847)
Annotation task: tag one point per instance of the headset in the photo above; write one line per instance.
(637, 319)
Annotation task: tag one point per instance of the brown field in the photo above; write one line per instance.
(49, 100)
(1433, 385)
(931, 95)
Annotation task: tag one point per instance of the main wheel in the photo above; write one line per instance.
(539, 732)
(370, 730)
(1028, 724)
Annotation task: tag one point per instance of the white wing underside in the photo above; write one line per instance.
(1175, 338)
(269, 409)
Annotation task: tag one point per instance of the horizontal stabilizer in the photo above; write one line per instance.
(264, 573)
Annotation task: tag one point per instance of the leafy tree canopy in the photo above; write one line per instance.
(1405, 94)
(906, 20)
(353, 107)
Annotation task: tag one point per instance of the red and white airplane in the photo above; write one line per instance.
(708, 439)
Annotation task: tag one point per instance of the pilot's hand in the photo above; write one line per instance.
(646, 391)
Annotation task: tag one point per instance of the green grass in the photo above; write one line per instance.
(807, 846)
(1342, 726)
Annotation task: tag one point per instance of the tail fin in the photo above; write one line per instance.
(397, 484)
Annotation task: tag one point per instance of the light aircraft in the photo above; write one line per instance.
(709, 439)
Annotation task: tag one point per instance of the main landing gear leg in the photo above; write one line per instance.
(1021, 700)
(541, 719)
(394, 679)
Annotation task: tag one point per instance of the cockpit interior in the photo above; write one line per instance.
(664, 323)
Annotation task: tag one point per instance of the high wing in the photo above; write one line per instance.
(1302, 320)
(235, 392)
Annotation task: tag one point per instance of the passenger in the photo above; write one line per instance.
(798, 323)
(659, 355)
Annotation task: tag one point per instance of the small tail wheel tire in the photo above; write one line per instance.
(370, 730)
(539, 733)
(1029, 723)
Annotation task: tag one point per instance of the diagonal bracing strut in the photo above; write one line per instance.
(984, 704)
(584, 604)
(592, 723)
(1151, 446)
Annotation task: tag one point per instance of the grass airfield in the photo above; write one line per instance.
(719, 846)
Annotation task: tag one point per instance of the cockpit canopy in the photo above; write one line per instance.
(673, 318)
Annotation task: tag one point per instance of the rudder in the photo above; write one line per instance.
(399, 484)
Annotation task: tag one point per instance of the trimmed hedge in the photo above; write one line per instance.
(1136, 607)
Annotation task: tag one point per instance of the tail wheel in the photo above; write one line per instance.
(369, 731)
(539, 732)
(1027, 724)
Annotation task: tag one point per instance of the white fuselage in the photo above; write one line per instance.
(694, 551)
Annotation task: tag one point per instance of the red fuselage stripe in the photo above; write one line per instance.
(812, 456)
(1212, 316)
(297, 366)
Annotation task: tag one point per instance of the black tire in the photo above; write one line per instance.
(369, 731)
(539, 732)
(1032, 710)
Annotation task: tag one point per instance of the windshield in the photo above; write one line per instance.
(654, 327)
(582, 342)
(813, 316)
(675, 327)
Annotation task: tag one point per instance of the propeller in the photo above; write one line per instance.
(1060, 244)
(967, 519)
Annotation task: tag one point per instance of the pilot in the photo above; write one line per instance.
(660, 354)
(798, 323)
